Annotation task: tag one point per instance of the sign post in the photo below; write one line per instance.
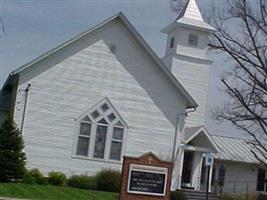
(209, 163)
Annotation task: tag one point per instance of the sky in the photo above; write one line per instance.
(33, 27)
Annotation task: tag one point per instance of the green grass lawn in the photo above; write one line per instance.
(48, 192)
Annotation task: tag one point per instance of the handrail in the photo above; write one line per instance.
(237, 187)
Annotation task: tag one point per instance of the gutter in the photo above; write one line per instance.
(176, 131)
(25, 106)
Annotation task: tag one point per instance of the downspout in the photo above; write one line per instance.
(176, 131)
(25, 106)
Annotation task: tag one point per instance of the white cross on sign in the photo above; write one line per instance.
(209, 159)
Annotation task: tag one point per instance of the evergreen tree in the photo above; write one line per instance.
(12, 158)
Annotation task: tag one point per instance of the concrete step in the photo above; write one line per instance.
(199, 195)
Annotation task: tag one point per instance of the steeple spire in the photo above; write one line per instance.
(191, 17)
(191, 11)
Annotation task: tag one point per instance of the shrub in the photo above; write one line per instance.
(82, 182)
(12, 158)
(57, 178)
(178, 195)
(34, 176)
(108, 180)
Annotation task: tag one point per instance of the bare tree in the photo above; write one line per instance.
(242, 36)
(177, 5)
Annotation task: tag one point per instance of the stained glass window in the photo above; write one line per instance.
(116, 143)
(101, 133)
(100, 141)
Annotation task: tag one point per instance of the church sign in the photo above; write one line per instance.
(147, 180)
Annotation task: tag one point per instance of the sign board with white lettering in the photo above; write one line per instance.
(147, 180)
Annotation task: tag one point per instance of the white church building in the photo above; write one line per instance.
(104, 94)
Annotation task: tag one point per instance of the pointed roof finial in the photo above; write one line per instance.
(191, 11)
(190, 17)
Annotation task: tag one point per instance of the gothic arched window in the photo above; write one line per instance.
(101, 133)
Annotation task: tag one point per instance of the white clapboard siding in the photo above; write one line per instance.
(70, 82)
(190, 65)
(239, 177)
(195, 78)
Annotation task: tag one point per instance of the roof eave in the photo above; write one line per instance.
(18, 70)
(208, 28)
(236, 161)
(191, 102)
(9, 81)
(205, 131)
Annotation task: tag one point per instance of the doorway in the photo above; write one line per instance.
(261, 181)
(187, 169)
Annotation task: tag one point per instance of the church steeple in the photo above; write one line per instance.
(190, 11)
(188, 33)
(186, 56)
(190, 16)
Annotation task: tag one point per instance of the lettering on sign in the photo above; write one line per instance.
(147, 180)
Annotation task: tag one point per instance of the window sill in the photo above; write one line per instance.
(97, 160)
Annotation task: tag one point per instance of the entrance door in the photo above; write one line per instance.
(187, 168)
(261, 180)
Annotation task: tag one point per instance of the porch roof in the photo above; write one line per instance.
(235, 149)
(199, 136)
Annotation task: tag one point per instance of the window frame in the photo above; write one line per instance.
(172, 42)
(109, 134)
(115, 140)
(196, 37)
(94, 144)
(84, 136)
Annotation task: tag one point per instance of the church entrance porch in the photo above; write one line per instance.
(190, 171)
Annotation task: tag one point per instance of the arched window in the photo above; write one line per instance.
(101, 133)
